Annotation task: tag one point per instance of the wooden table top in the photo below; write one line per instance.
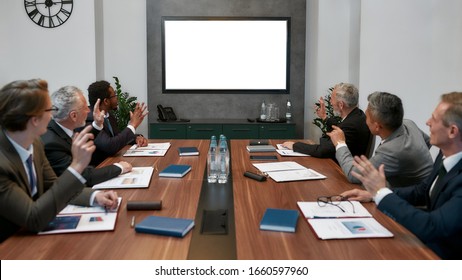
(251, 198)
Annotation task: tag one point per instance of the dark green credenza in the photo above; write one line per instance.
(232, 129)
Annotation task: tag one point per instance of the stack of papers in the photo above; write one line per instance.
(284, 171)
(260, 148)
(139, 177)
(75, 218)
(330, 222)
(151, 150)
(283, 151)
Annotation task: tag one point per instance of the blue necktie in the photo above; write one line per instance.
(108, 124)
(32, 181)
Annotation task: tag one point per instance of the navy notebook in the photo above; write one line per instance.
(175, 170)
(165, 226)
(279, 220)
(188, 151)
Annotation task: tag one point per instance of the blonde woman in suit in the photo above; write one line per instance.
(32, 195)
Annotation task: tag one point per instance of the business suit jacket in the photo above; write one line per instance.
(58, 149)
(107, 143)
(357, 136)
(17, 208)
(405, 154)
(440, 225)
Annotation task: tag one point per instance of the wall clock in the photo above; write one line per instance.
(49, 13)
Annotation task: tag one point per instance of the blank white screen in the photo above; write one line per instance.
(225, 54)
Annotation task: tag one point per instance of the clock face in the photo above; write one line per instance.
(49, 13)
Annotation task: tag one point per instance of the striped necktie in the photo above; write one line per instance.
(32, 179)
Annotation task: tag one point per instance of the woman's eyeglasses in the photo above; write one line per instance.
(334, 200)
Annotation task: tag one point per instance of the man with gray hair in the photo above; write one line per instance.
(404, 149)
(344, 100)
(70, 114)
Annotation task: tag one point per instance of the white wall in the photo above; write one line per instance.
(332, 51)
(412, 48)
(63, 56)
(125, 54)
(409, 47)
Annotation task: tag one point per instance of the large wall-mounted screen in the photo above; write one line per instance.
(225, 55)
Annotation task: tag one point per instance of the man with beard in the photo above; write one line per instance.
(344, 100)
(110, 140)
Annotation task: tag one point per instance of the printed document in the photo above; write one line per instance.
(285, 171)
(283, 151)
(348, 228)
(75, 218)
(342, 209)
(151, 150)
(139, 177)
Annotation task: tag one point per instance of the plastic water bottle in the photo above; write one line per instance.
(223, 160)
(212, 164)
(263, 111)
(288, 111)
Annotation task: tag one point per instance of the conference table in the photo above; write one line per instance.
(245, 201)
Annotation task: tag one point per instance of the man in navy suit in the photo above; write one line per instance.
(344, 100)
(439, 223)
(110, 140)
(71, 113)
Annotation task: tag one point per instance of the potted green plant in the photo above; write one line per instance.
(126, 104)
(329, 112)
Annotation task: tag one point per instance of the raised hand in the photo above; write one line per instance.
(321, 110)
(82, 149)
(98, 115)
(137, 116)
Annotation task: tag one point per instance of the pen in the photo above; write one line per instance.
(132, 224)
(105, 210)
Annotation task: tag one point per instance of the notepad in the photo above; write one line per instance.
(165, 226)
(175, 170)
(279, 220)
(188, 151)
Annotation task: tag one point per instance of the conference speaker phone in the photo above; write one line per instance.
(166, 114)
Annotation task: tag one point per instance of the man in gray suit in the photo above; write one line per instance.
(71, 113)
(404, 149)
